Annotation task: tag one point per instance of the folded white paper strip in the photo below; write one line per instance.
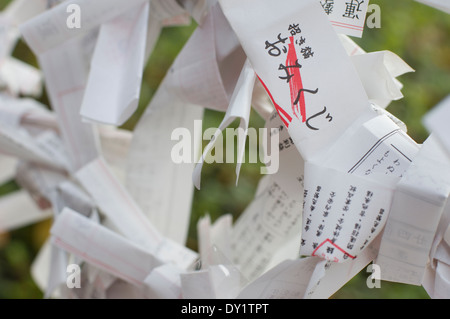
(419, 201)
(20, 144)
(206, 70)
(222, 281)
(342, 213)
(115, 202)
(346, 184)
(378, 147)
(115, 145)
(130, 36)
(16, 76)
(161, 187)
(112, 93)
(273, 218)
(19, 11)
(198, 9)
(49, 29)
(18, 209)
(41, 266)
(239, 108)
(20, 78)
(65, 76)
(8, 165)
(164, 282)
(174, 107)
(102, 247)
(377, 71)
(288, 280)
(196, 285)
(215, 236)
(337, 274)
(312, 140)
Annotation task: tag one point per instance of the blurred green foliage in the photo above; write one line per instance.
(417, 33)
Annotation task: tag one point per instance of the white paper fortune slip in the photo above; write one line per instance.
(17, 76)
(346, 16)
(153, 178)
(333, 233)
(19, 11)
(20, 78)
(378, 147)
(102, 247)
(303, 66)
(339, 103)
(337, 274)
(17, 142)
(64, 56)
(378, 72)
(273, 218)
(288, 280)
(49, 29)
(214, 79)
(116, 203)
(239, 108)
(419, 201)
(212, 236)
(113, 88)
(65, 76)
(364, 165)
(123, 47)
(18, 209)
(8, 165)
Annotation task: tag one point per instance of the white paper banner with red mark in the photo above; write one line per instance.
(303, 67)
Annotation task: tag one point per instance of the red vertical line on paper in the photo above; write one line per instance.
(295, 82)
(279, 109)
(333, 244)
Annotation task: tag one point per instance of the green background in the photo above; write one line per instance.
(417, 33)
